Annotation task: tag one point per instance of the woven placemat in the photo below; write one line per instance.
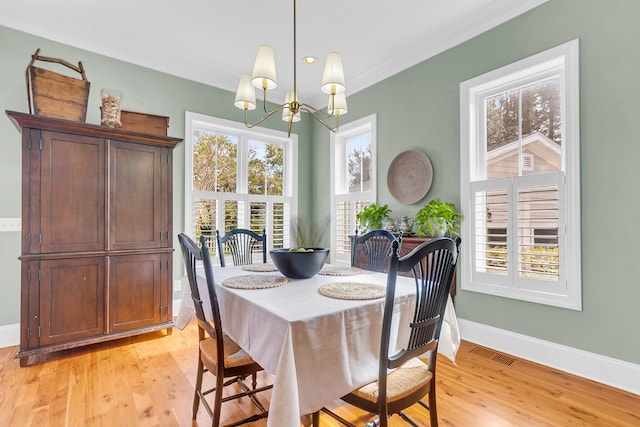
(353, 291)
(254, 281)
(339, 270)
(260, 268)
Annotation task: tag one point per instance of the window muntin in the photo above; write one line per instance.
(237, 178)
(520, 179)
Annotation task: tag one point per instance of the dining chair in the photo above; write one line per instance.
(403, 378)
(371, 250)
(241, 244)
(217, 354)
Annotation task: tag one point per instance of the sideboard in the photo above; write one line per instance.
(408, 244)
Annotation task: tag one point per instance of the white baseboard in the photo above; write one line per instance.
(9, 335)
(176, 307)
(602, 369)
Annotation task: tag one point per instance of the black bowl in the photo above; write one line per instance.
(299, 265)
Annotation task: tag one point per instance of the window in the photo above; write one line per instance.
(353, 181)
(520, 171)
(238, 178)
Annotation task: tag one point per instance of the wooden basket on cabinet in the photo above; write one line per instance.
(55, 95)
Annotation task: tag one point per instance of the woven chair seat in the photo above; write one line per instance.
(233, 354)
(400, 383)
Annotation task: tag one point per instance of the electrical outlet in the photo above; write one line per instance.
(177, 285)
(10, 224)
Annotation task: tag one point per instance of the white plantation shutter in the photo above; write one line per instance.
(347, 208)
(508, 254)
(542, 206)
(204, 216)
(280, 225)
(490, 213)
(344, 224)
(258, 216)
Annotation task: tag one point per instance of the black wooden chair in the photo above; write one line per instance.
(242, 244)
(217, 354)
(371, 251)
(403, 378)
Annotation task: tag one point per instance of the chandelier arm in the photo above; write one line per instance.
(264, 103)
(289, 126)
(308, 108)
(269, 114)
(313, 112)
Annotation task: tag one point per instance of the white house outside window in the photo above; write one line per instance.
(353, 181)
(520, 180)
(238, 178)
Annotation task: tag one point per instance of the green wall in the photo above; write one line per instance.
(144, 90)
(419, 109)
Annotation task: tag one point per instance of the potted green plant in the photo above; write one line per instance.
(438, 219)
(304, 236)
(372, 216)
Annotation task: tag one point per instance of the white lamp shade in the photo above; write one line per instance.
(264, 69)
(287, 115)
(337, 104)
(333, 75)
(246, 94)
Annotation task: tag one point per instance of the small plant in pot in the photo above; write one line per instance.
(373, 216)
(438, 219)
(307, 236)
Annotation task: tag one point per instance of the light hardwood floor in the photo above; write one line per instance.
(148, 381)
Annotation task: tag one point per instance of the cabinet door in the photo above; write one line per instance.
(166, 286)
(135, 197)
(72, 196)
(135, 291)
(71, 299)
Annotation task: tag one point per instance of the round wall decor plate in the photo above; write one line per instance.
(409, 177)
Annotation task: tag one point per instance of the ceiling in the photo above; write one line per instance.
(214, 42)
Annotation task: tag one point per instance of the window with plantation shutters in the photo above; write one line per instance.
(353, 181)
(520, 180)
(238, 178)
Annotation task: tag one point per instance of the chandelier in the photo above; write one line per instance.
(264, 77)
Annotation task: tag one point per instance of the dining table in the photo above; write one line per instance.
(319, 337)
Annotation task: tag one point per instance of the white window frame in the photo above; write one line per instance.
(338, 176)
(290, 179)
(566, 293)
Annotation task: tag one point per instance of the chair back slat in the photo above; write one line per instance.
(376, 246)
(433, 264)
(241, 244)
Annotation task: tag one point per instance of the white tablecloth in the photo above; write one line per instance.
(317, 348)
